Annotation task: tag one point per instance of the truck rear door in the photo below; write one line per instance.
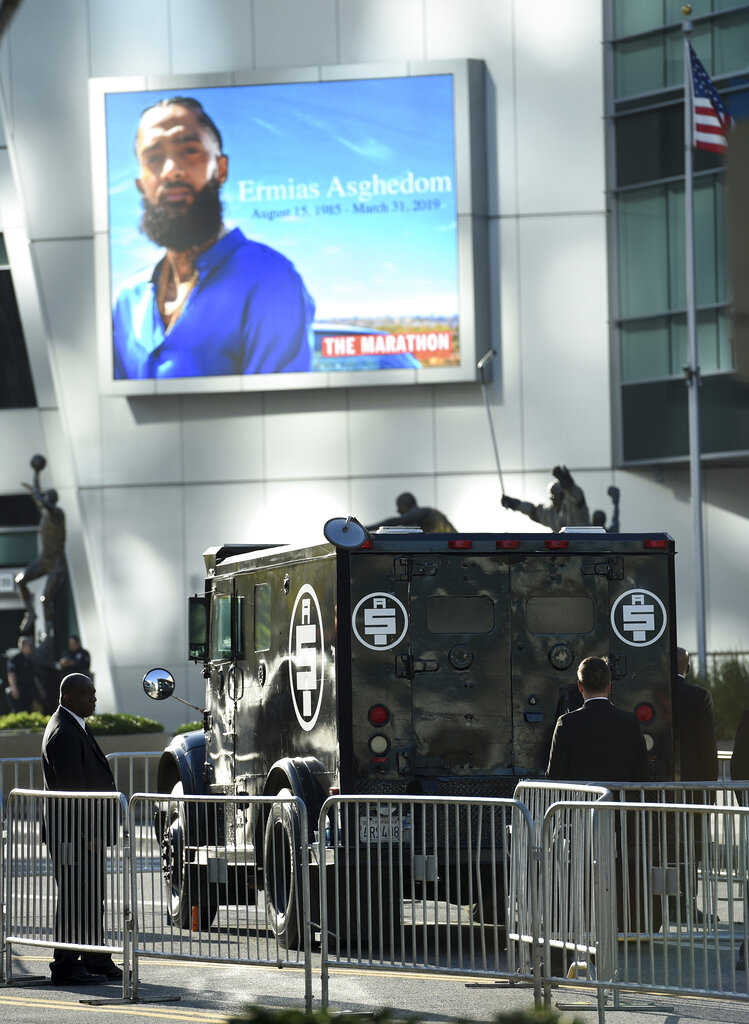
(459, 665)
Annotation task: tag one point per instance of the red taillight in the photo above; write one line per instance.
(555, 544)
(460, 545)
(645, 713)
(379, 760)
(507, 545)
(653, 543)
(367, 544)
(378, 714)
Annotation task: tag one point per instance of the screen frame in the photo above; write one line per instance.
(472, 228)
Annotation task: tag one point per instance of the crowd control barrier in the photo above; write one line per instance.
(538, 796)
(221, 879)
(418, 883)
(20, 773)
(666, 930)
(135, 772)
(66, 864)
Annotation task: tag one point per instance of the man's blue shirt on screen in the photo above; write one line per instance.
(248, 312)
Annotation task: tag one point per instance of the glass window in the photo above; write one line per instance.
(221, 627)
(18, 548)
(643, 263)
(677, 274)
(639, 66)
(707, 342)
(262, 617)
(562, 614)
(645, 349)
(650, 145)
(725, 347)
(730, 43)
(460, 614)
(16, 386)
(631, 16)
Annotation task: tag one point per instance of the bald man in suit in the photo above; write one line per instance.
(73, 760)
(597, 742)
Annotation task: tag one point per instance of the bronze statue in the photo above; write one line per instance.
(431, 520)
(567, 506)
(51, 559)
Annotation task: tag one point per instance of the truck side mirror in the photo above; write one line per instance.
(348, 534)
(158, 684)
(197, 630)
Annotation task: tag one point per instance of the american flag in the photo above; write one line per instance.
(711, 121)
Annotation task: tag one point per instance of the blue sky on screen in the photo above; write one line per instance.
(360, 253)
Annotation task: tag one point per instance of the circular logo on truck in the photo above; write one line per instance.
(638, 617)
(306, 657)
(379, 621)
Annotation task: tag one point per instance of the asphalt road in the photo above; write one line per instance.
(210, 993)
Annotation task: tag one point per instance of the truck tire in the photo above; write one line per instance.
(180, 899)
(281, 872)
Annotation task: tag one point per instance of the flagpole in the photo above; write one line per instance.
(691, 370)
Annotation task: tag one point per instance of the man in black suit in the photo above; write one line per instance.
(600, 743)
(77, 834)
(597, 742)
(698, 762)
(694, 709)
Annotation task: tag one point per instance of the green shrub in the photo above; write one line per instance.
(262, 1015)
(122, 725)
(188, 727)
(100, 725)
(33, 720)
(728, 682)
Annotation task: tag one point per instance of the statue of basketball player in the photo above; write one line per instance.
(51, 559)
(567, 506)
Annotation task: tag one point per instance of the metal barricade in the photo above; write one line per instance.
(66, 881)
(667, 931)
(221, 879)
(20, 773)
(418, 883)
(579, 894)
(135, 771)
(724, 765)
(2, 887)
(538, 796)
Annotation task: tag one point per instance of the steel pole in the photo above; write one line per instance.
(692, 370)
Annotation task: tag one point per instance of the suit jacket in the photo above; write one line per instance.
(598, 743)
(740, 756)
(73, 760)
(699, 752)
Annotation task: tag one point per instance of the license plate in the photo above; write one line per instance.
(384, 830)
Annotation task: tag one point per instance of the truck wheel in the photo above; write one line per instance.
(281, 862)
(180, 900)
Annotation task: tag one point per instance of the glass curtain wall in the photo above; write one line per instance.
(646, 176)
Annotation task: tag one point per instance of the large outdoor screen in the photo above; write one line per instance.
(290, 234)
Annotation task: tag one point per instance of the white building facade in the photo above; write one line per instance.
(149, 482)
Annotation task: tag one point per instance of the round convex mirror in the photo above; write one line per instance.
(348, 534)
(158, 684)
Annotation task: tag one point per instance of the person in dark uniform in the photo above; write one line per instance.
(600, 743)
(597, 742)
(22, 682)
(77, 834)
(696, 725)
(739, 773)
(431, 520)
(698, 760)
(77, 659)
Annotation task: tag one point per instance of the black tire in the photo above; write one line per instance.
(180, 899)
(281, 867)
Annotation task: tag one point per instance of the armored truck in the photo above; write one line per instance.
(413, 663)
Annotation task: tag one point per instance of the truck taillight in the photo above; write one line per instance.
(378, 714)
(379, 744)
(556, 544)
(653, 542)
(460, 545)
(645, 713)
(507, 545)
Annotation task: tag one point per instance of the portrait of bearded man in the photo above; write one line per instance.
(216, 303)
